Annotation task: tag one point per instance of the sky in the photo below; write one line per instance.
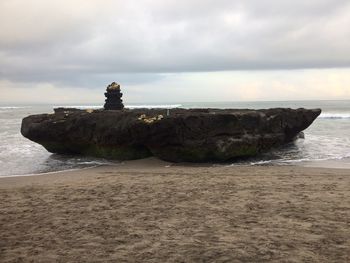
(174, 51)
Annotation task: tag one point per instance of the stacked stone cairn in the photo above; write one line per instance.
(113, 97)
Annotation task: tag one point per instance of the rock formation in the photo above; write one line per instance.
(113, 97)
(195, 135)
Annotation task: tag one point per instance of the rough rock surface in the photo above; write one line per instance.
(195, 135)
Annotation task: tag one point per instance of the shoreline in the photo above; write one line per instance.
(332, 164)
(53, 172)
(150, 211)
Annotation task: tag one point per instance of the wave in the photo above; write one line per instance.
(161, 106)
(301, 160)
(335, 115)
(79, 106)
(13, 107)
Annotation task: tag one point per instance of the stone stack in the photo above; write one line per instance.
(113, 97)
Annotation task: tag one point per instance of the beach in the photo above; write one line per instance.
(152, 211)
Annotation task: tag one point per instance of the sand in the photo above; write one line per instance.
(151, 211)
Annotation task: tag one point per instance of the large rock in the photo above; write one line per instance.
(195, 135)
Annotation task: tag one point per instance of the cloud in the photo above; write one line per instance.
(155, 46)
(41, 37)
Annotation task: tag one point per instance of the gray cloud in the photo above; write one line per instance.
(84, 42)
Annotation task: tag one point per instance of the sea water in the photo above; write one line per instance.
(326, 143)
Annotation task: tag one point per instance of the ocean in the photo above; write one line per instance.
(326, 143)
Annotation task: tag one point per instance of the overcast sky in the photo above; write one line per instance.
(164, 51)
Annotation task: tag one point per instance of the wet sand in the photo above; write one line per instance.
(151, 211)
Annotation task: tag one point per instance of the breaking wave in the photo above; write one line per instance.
(13, 107)
(161, 106)
(79, 106)
(335, 115)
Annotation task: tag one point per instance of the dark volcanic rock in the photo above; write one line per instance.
(195, 135)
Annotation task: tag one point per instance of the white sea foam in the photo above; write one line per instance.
(6, 108)
(80, 106)
(301, 160)
(335, 115)
(14, 107)
(161, 106)
(261, 162)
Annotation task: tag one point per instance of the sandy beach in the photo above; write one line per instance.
(152, 211)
